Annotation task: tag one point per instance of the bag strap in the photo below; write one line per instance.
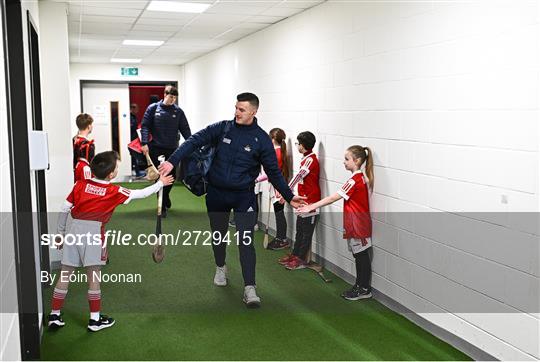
(153, 113)
(224, 132)
(157, 108)
(228, 126)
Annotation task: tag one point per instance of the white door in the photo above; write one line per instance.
(105, 102)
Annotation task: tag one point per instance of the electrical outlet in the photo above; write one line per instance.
(504, 199)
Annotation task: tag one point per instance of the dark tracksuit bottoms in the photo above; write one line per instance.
(219, 204)
(155, 152)
(305, 227)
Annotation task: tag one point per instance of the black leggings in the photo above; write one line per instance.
(281, 222)
(363, 269)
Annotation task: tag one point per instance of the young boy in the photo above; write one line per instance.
(83, 147)
(91, 204)
(307, 180)
(82, 169)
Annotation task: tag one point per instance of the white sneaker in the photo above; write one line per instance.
(220, 278)
(250, 297)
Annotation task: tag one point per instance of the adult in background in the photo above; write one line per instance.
(137, 160)
(242, 147)
(133, 122)
(163, 120)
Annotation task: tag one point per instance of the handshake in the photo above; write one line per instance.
(302, 207)
(297, 202)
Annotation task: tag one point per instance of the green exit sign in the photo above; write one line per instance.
(130, 71)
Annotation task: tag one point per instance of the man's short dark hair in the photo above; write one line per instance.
(248, 97)
(306, 139)
(104, 163)
(171, 89)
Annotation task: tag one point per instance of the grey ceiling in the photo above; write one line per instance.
(98, 27)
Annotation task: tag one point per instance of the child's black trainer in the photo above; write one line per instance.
(102, 323)
(356, 293)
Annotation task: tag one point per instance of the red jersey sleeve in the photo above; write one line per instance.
(87, 172)
(71, 196)
(347, 189)
(120, 195)
(305, 169)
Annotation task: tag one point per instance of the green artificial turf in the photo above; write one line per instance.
(176, 313)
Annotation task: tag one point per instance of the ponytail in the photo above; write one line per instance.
(365, 155)
(279, 135)
(369, 167)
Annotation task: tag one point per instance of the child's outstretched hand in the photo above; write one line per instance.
(166, 180)
(305, 209)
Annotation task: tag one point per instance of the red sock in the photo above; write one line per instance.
(94, 300)
(59, 295)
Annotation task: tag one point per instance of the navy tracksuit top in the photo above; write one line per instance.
(164, 122)
(240, 152)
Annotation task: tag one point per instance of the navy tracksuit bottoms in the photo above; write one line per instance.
(219, 203)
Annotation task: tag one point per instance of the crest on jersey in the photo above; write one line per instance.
(247, 148)
(95, 190)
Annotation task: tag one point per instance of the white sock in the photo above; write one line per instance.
(55, 312)
(94, 315)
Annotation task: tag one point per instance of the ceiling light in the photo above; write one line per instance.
(146, 43)
(179, 7)
(125, 60)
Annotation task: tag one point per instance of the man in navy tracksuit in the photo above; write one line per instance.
(242, 147)
(164, 120)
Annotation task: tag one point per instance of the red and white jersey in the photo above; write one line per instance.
(96, 200)
(263, 177)
(307, 179)
(356, 216)
(82, 170)
(279, 158)
(80, 142)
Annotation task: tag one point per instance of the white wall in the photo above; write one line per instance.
(54, 63)
(446, 95)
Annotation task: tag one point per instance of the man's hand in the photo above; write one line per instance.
(279, 198)
(166, 180)
(298, 201)
(165, 168)
(145, 149)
